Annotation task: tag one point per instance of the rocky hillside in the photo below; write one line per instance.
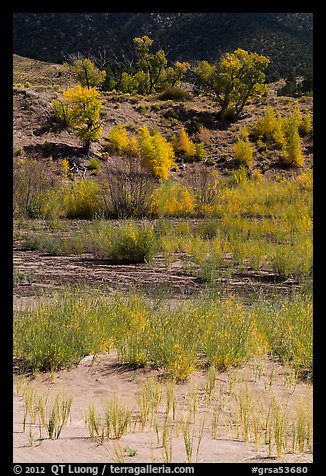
(286, 38)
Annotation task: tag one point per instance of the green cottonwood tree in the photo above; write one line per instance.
(238, 77)
(151, 63)
(159, 76)
(85, 72)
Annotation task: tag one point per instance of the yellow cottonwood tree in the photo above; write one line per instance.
(84, 113)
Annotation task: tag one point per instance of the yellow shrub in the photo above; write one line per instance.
(133, 146)
(305, 126)
(243, 152)
(296, 115)
(266, 126)
(292, 150)
(257, 175)
(118, 139)
(82, 200)
(156, 152)
(180, 363)
(305, 180)
(278, 135)
(64, 165)
(173, 199)
(244, 133)
(185, 145)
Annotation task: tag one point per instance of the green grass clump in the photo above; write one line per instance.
(287, 325)
(293, 259)
(128, 242)
(175, 94)
(180, 338)
(175, 347)
(112, 423)
(228, 334)
(59, 332)
(131, 328)
(44, 413)
(19, 276)
(132, 243)
(117, 418)
(94, 165)
(57, 245)
(55, 415)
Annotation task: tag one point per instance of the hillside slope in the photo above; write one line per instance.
(286, 38)
(38, 83)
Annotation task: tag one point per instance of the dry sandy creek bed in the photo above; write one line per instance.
(95, 379)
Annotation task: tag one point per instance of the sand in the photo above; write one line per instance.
(94, 380)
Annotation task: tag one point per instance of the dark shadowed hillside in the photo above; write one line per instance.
(286, 38)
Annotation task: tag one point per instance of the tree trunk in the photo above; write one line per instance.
(223, 111)
(87, 147)
(224, 107)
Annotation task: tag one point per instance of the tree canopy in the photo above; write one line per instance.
(84, 113)
(84, 71)
(238, 77)
(150, 73)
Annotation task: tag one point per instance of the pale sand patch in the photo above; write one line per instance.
(102, 377)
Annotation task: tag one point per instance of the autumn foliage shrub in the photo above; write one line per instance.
(173, 199)
(83, 200)
(284, 133)
(266, 126)
(292, 149)
(156, 152)
(268, 129)
(243, 152)
(303, 121)
(118, 139)
(186, 147)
